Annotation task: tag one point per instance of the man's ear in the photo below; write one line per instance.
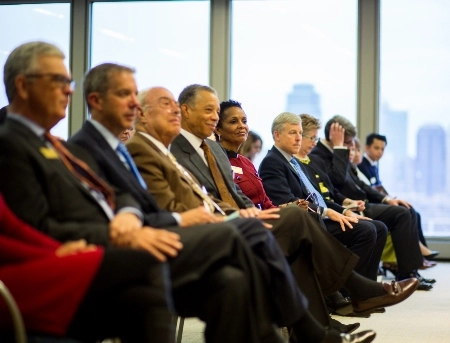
(94, 101)
(276, 136)
(141, 116)
(185, 111)
(21, 86)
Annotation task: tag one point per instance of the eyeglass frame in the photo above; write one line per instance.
(60, 79)
(312, 139)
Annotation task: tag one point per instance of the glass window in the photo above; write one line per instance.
(166, 41)
(414, 107)
(297, 56)
(47, 22)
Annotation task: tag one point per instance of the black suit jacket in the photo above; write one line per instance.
(189, 158)
(281, 181)
(118, 175)
(337, 163)
(354, 188)
(44, 193)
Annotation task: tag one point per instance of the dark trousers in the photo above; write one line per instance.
(402, 225)
(366, 240)
(319, 262)
(128, 298)
(215, 277)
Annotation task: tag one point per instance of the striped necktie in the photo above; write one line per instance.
(309, 186)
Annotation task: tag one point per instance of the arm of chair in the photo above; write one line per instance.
(19, 327)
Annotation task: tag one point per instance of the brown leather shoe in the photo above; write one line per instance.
(396, 292)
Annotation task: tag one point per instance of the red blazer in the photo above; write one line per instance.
(248, 180)
(48, 289)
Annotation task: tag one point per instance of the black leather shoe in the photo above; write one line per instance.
(395, 293)
(422, 279)
(360, 337)
(433, 254)
(342, 328)
(423, 286)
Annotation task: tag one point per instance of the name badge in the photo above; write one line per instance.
(48, 153)
(237, 170)
(373, 180)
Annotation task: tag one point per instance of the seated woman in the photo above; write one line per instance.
(80, 291)
(251, 146)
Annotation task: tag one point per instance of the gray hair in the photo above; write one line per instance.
(98, 78)
(142, 97)
(284, 118)
(189, 94)
(309, 122)
(350, 129)
(23, 60)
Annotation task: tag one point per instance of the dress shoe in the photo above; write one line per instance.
(395, 293)
(433, 254)
(423, 286)
(343, 328)
(427, 264)
(422, 279)
(360, 337)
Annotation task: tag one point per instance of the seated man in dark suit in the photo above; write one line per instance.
(375, 145)
(398, 215)
(285, 180)
(55, 188)
(101, 135)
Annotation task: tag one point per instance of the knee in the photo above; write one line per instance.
(368, 232)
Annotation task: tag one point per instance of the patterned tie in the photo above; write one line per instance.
(213, 206)
(82, 171)
(309, 186)
(217, 176)
(121, 149)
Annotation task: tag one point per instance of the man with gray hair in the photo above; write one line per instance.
(285, 180)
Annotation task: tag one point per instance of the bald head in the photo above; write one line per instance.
(159, 115)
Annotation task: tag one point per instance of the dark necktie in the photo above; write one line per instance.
(217, 176)
(213, 206)
(309, 186)
(122, 150)
(82, 171)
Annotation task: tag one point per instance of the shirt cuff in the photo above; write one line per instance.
(177, 217)
(340, 147)
(386, 199)
(132, 210)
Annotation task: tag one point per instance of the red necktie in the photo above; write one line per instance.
(82, 171)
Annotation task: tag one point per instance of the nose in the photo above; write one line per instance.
(176, 109)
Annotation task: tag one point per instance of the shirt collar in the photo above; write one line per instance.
(193, 139)
(158, 144)
(373, 163)
(284, 153)
(327, 145)
(112, 140)
(35, 128)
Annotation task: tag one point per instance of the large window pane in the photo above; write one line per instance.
(414, 107)
(24, 23)
(297, 56)
(166, 41)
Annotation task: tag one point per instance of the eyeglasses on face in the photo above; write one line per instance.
(312, 139)
(57, 79)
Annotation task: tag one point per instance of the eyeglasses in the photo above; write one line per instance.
(313, 139)
(58, 79)
(312, 197)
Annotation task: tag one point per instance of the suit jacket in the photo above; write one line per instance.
(188, 157)
(281, 181)
(118, 175)
(41, 191)
(337, 162)
(354, 188)
(168, 186)
(320, 179)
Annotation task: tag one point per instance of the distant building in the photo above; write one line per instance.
(394, 163)
(431, 161)
(304, 99)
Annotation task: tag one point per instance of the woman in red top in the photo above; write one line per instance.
(231, 133)
(81, 291)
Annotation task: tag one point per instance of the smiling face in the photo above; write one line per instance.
(234, 129)
(116, 109)
(289, 138)
(202, 117)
